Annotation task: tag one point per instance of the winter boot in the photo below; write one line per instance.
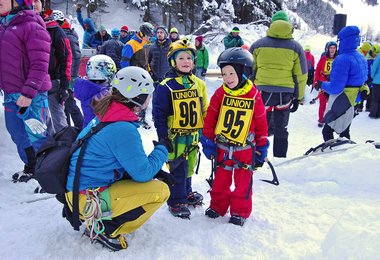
(195, 199)
(211, 213)
(114, 244)
(237, 220)
(24, 175)
(180, 210)
(320, 124)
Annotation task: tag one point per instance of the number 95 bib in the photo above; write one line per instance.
(187, 111)
(235, 118)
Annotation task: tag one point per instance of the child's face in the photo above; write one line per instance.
(5, 6)
(229, 76)
(184, 62)
(37, 4)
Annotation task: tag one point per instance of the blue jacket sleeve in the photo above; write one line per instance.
(129, 152)
(375, 67)
(126, 56)
(338, 77)
(80, 18)
(162, 109)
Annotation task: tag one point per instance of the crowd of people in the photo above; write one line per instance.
(261, 87)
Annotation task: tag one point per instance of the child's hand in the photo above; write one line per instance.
(209, 148)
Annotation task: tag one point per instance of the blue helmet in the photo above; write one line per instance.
(115, 32)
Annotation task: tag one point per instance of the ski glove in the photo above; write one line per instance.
(63, 96)
(203, 73)
(165, 141)
(35, 126)
(364, 92)
(261, 154)
(318, 85)
(294, 106)
(165, 177)
(209, 147)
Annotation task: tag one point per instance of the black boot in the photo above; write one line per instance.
(28, 172)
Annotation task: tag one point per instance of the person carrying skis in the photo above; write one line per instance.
(322, 73)
(100, 70)
(25, 80)
(116, 175)
(348, 74)
(235, 127)
(179, 107)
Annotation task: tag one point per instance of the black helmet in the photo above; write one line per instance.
(147, 29)
(236, 55)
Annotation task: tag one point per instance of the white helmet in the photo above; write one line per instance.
(133, 81)
(57, 15)
(100, 67)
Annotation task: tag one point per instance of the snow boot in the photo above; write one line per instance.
(194, 199)
(24, 175)
(180, 211)
(115, 244)
(237, 220)
(212, 213)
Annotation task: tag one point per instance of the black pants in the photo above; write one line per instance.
(328, 133)
(71, 109)
(375, 101)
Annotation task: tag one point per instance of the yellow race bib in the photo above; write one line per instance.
(187, 111)
(235, 118)
(328, 66)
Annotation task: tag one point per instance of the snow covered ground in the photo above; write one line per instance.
(326, 206)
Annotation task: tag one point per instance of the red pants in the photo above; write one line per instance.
(323, 98)
(240, 199)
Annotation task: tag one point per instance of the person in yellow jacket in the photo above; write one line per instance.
(179, 107)
(280, 72)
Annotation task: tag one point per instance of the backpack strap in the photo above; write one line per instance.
(82, 142)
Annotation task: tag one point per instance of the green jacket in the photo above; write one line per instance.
(202, 58)
(230, 41)
(280, 63)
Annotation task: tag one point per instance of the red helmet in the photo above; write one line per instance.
(124, 28)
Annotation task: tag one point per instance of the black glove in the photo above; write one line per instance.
(294, 106)
(364, 95)
(63, 96)
(318, 85)
(165, 141)
(165, 177)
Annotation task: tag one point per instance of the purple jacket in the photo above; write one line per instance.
(24, 55)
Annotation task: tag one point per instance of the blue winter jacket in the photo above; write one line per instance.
(89, 32)
(349, 68)
(84, 91)
(158, 59)
(375, 71)
(114, 151)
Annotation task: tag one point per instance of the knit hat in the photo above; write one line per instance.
(124, 28)
(102, 28)
(173, 30)
(24, 2)
(280, 15)
(307, 48)
(199, 39)
(235, 30)
(163, 28)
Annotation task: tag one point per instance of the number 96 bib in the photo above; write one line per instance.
(187, 111)
(235, 118)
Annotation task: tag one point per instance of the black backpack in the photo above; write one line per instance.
(52, 166)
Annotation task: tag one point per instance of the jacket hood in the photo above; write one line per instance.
(65, 24)
(85, 90)
(280, 29)
(119, 112)
(349, 39)
(51, 24)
